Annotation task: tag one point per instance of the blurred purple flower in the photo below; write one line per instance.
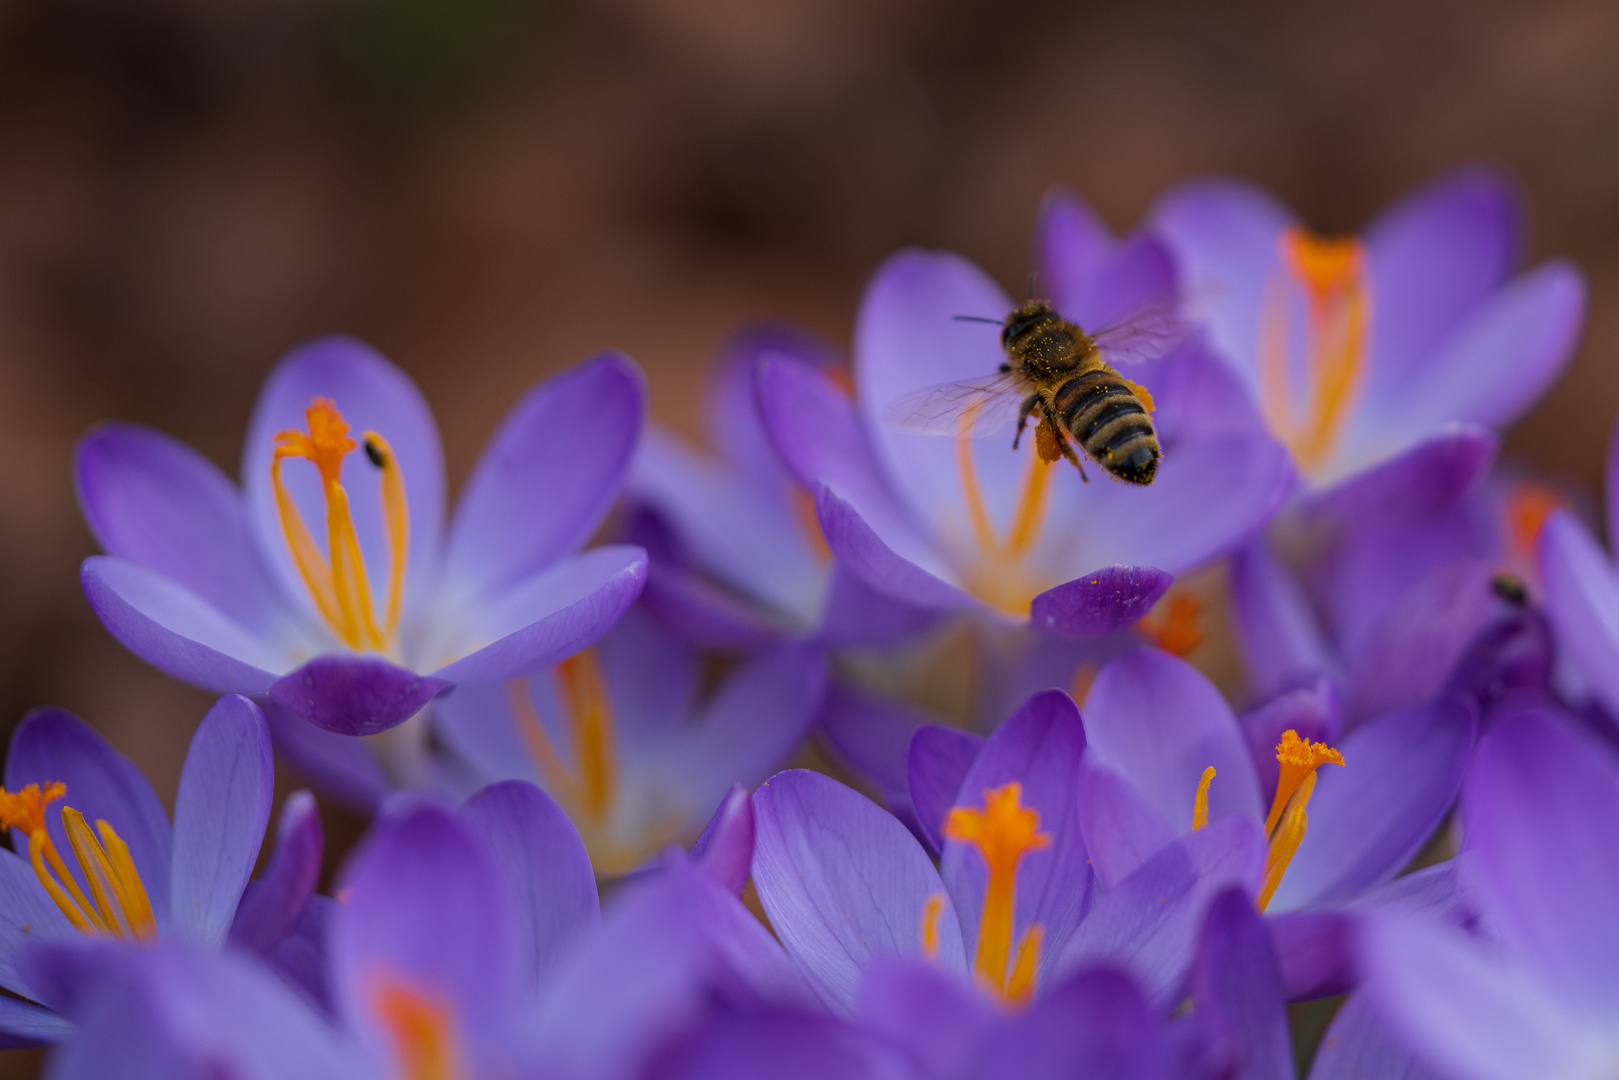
(845, 884)
(355, 632)
(623, 738)
(1408, 342)
(93, 852)
(738, 556)
(1536, 995)
(959, 524)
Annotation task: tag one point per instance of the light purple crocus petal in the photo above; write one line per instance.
(1317, 951)
(152, 500)
(1039, 747)
(560, 611)
(725, 848)
(936, 762)
(1277, 632)
(1121, 829)
(1134, 276)
(176, 631)
(1465, 1013)
(548, 477)
(1435, 257)
(1582, 601)
(1430, 474)
(1224, 235)
(1237, 992)
(27, 915)
(868, 556)
(1158, 721)
(1313, 712)
(1071, 245)
(341, 766)
(426, 906)
(23, 1024)
(1538, 808)
(907, 338)
(372, 395)
(51, 745)
(1358, 1044)
(220, 814)
(1096, 1025)
(272, 905)
(354, 694)
(855, 615)
(778, 1043)
(1503, 358)
(1101, 602)
(1371, 816)
(1148, 924)
(545, 869)
(938, 1018)
(179, 1012)
(872, 735)
(731, 417)
(843, 881)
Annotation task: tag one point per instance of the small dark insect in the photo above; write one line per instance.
(1058, 373)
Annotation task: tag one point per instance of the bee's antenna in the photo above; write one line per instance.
(1034, 284)
(977, 318)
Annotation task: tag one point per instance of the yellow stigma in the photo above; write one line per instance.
(1332, 274)
(117, 904)
(1000, 573)
(1298, 759)
(1003, 832)
(424, 1044)
(1200, 805)
(1179, 630)
(336, 578)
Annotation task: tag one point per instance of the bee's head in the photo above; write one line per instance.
(1024, 320)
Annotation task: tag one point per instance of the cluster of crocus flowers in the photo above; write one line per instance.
(571, 709)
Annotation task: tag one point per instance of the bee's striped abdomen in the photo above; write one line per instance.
(1105, 416)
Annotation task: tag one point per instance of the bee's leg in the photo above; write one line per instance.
(1030, 403)
(1052, 442)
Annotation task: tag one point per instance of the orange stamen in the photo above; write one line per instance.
(337, 578)
(1285, 844)
(117, 904)
(1298, 758)
(424, 1041)
(1200, 805)
(1179, 631)
(1528, 507)
(809, 523)
(1000, 574)
(590, 711)
(931, 910)
(1003, 832)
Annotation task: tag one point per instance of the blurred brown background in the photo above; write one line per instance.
(490, 190)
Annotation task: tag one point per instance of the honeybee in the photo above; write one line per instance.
(1059, 374)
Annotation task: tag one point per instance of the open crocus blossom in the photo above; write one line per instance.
(328, 583)
(737, 553)
(1538, 993)
(621, 737)
(94, 856)
(1407, 342)
(958, 523)
(1011, 906)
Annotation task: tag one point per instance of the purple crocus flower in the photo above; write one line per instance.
(739, 558)
(844, 883)
(448, 927)
(357, 630)
(1536, 995)
(1386, 358)
(623, 738)
(956, 524)
(93, 852)
(1166, 758)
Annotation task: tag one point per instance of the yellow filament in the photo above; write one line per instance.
(1285, 844)
(1000, 575)
(809, 523)
(1003, 832)
(983, 532)
(591, 714)
(931, 911)
(423, 1039)
(117, 904)
(1200, 805)
(1031, 507)
(1332, 273)
(1020, 985)
(1297, 759)
(1180, 630)
(532, 729)
(337, 579)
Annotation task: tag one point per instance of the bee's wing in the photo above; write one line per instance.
(1144, 335)
(976, 407)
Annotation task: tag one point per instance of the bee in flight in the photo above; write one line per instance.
(1058, 373)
